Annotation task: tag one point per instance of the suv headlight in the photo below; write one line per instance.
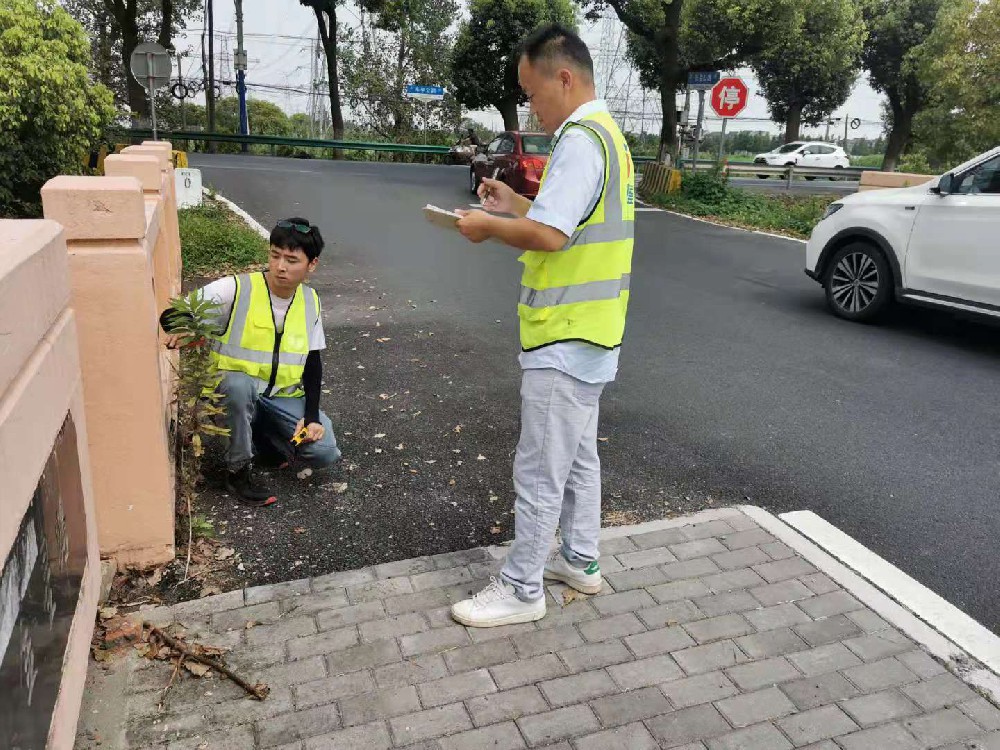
(831, 210)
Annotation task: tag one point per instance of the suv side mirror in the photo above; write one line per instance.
(945, 184)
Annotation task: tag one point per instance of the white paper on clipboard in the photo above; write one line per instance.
(441, 218)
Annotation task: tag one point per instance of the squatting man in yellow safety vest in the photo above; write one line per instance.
(270, 334)
(577, 238)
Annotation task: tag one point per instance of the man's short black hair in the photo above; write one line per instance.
(555, 43)
(292, 238)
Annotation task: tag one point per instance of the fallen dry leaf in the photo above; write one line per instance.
(451, 482)
(108, 612)
(299, 530)
(571, 595)
(224, 553)
(380, 435)
(602, 440)
(383, 339)
(378, 450)
(196, 668)
(458, 428)
(620, 518)
(432, 461)
(480, 457)
(495, 530)
(305, 473)
(400, 447)
(339, 487)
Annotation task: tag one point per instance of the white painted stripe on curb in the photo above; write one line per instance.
(254, 224)
(928, 637)
(924, 603)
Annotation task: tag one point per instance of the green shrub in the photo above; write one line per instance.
(708, 187)
(707, 195)
(214, 241)
(51, 112)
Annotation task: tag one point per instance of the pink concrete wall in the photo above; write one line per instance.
(118, 235)
(40, 383)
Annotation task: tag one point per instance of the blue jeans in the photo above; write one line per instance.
(264, 426)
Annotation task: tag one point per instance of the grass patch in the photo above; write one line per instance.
(215, 241)
(871, 161)
(708, 195)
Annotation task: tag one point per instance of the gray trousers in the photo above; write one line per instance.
(261, 426)
(557, 478)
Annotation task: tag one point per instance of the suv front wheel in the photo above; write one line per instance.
(858, 282)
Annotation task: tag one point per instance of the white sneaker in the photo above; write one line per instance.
(496, 605)
(585, 580)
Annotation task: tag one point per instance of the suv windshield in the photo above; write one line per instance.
(536, 144)
(789, 147)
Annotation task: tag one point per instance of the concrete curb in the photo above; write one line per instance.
(251, 221)
(921, 614)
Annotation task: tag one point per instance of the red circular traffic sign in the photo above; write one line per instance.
(729, 97)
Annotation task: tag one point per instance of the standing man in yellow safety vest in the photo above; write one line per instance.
(577, 238)
(270, 334)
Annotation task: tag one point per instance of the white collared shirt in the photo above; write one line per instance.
(571, 189)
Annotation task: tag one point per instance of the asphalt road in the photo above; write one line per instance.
(736, 386)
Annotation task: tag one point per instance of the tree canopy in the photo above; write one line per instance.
(808, 71)
(51, 111)
(960, 66)
(484, 60)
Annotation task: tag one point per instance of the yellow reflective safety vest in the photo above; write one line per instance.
(251, 343)
(581, 292)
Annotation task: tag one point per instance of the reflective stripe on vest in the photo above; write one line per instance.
(251, 348)
(581, 292)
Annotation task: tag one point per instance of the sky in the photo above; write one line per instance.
(278, 36)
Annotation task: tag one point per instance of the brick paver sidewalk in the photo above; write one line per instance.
(707, 635)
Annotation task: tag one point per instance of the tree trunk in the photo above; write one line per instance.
(793, 123)
(508, 110)
(167, 10)
(668, 42)
(899, 137)
(668, 131)
(125, 16)
(328, 35)
(210, 89)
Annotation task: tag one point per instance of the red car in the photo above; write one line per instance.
(516, 158)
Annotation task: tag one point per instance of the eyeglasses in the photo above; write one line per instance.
(304, 228)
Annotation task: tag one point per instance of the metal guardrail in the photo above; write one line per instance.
(736, 168)
(741, 169)
(278, 140)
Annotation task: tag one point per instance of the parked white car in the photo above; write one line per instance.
(936, 244)
(808, 154)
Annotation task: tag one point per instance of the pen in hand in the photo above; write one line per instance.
(489, 190)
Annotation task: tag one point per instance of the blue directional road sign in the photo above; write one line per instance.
(703, 79)
(425, 93)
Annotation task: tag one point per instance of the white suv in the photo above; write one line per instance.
(810, 154)
(936, 244)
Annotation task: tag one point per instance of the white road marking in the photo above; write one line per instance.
(939, 636)
(923, 602)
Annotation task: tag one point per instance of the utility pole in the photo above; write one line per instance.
(698, 127)
(241, 75)
(210, 89)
